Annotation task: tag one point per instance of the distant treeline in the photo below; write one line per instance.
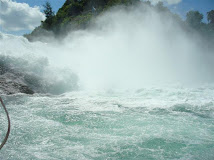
(77, 14)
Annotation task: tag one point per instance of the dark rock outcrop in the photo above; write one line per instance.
(18, 75)
(11, 78)
(11, 84)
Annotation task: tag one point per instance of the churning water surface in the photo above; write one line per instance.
(149, 123)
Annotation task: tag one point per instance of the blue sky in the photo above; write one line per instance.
(186, 5)
(180, 7)
(56, 4)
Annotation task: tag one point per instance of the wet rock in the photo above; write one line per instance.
(18, 75)
(12, 84)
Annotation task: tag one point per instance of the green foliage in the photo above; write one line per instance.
(71, 8)
(76, 14)
(160, 7)
(48, 23)
(194, 19)
(48, 10)
(119, 2)
(210, 16)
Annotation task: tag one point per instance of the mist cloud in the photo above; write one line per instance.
(135, 48)
(126, 48)
(167, 1)
(19, 16)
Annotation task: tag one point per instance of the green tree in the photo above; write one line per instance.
(48, 10)
(194, 19)
(160, 7)
(49, 14)
(210, 16)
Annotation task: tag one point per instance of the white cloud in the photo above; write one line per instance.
(19, 16)
(167, 1)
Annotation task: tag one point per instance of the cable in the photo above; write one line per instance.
(8, 131)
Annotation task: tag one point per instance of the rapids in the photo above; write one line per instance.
(151, 123)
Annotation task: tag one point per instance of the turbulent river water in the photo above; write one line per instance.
(112, 102)
(150, 123)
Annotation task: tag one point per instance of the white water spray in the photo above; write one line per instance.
(125, 49)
